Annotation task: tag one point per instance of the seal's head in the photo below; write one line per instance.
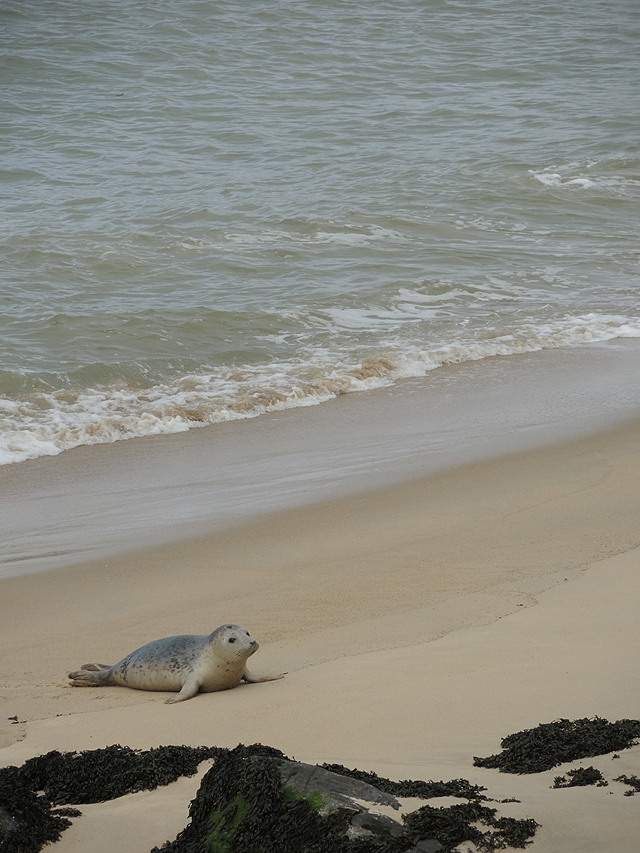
(234, 642)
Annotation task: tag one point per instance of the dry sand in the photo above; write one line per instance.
(419, 625)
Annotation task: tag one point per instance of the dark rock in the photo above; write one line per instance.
(428, 845)
(338, 791)
(369, 823)
(413, 787)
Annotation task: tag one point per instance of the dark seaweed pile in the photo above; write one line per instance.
(413, 788)
(241, 808)
(27, 794)
(580, 777)
(98, 775)
(630, 780)
(550, 744)
(459, 823)
(27, 820)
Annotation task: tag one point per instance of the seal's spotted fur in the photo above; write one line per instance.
(187, 663)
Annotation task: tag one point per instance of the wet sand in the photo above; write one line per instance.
(419, 624)
(97, 501)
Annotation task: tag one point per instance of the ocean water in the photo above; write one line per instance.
(213, 210)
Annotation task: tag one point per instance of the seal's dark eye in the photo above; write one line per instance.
(232, 639)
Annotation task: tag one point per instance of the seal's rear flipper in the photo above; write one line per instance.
(95, 667)
(91, 678)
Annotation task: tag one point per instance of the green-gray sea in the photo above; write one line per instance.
(210, 210)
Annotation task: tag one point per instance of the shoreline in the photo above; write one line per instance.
(102, 500)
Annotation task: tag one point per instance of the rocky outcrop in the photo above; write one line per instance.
(256, 800)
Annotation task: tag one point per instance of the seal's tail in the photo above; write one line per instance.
(91, 675)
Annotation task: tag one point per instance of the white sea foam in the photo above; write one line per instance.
(340, 235)
(574, 175)
(343, 238)
(407, 295)
(46, 424)
(377, 317)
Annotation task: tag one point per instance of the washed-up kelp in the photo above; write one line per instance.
(28, 793)
(242, 806)
(453, 825)
(633, 781)
(551, 744)
(98, 775)
(27, 819)
(413, 788)
(580, 777)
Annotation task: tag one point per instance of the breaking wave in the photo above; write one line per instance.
(41, 424)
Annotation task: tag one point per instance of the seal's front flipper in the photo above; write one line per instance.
(189, 690)
(257, 679)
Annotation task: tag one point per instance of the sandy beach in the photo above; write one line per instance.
(323, 322)
(419, 624)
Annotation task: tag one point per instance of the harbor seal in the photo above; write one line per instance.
(187, 663)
